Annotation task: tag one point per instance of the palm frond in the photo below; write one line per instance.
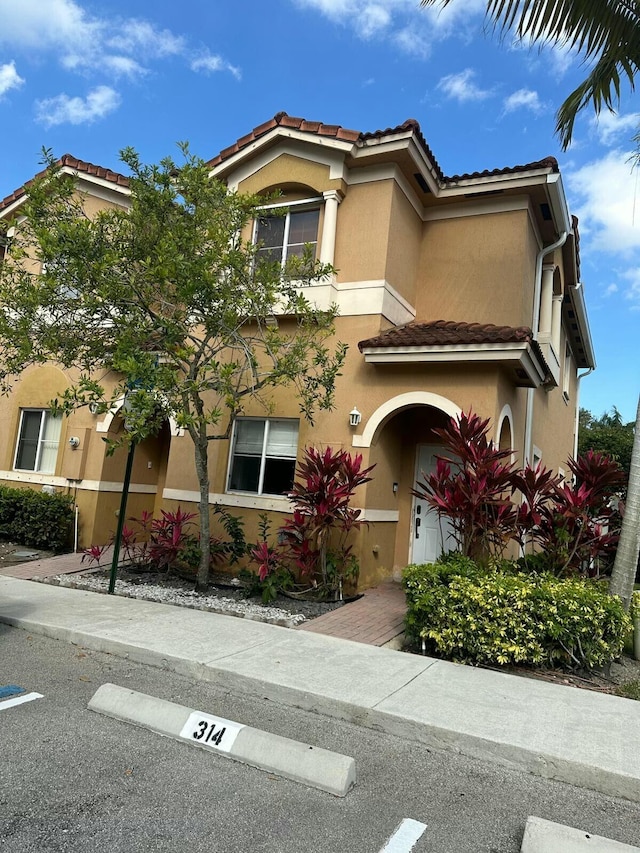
(606, 32)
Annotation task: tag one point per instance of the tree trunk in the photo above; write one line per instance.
(626, 562)
(202, 470)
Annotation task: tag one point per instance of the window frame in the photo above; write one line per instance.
(44, 415)
(263, 455)
(299, 206)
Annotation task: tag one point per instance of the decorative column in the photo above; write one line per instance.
(556, 322)
(546, 296)
(332, 199)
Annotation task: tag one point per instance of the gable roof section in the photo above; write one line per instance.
(446, 341)
(361, 139)
(69, 162)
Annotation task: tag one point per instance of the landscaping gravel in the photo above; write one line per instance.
(224, 596)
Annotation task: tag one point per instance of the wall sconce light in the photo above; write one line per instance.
(354, 417)
(74, 442)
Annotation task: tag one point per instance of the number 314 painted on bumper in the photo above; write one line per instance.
(213, 732)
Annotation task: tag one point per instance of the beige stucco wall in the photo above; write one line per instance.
(477, 269)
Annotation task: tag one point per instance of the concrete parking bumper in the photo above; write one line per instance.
(301, 762)
(544, 836)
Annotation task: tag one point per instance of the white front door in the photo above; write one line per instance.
(430, 535)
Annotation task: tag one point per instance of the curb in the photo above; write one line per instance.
(300, 762)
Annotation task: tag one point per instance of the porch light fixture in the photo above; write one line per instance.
(354, 417)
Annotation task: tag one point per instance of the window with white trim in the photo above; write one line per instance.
(263, 456)
(38, 440)
(282, 237)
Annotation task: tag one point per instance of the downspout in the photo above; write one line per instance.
(575, 433)
(528, 424)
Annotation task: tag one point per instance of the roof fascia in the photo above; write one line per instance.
(520, 352)
(233, 164)
(576, 294)
(494, 183)
(558, 200)
(9, 210)
(402, 142)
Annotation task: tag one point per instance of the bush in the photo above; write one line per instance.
(36, 519)
(503, 616)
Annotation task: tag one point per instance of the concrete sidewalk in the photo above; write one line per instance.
(588, 739)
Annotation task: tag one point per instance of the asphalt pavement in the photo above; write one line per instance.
(73, 781)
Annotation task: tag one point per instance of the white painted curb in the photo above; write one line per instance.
(544, 836)
(291, 759)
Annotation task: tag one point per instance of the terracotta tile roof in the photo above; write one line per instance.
(444, 332)
(359, 138)
(78, 166)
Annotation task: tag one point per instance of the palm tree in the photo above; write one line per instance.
(605, 32)
(626, 562)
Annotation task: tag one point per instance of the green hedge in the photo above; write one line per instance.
(503, 616)
(36, 519)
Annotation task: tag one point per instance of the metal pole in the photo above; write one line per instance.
(121, 517)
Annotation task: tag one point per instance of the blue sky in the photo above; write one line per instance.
(90, 78)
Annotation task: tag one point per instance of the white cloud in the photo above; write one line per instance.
(611, 289)
(632, 293)
(461, 87)
(610, 126)
(211, 63)
(121, 47)
(608, 202)
(523, 99)
(66, 110)
(9, 78)
(408, 26)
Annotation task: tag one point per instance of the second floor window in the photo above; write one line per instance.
(282, 237)
(38, 440)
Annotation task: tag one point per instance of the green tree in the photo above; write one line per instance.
(170, 300)
(606, 434)
(605, 32)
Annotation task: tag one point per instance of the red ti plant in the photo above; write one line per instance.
(472, 489)
(317, 533)
(571, 525)
(580, 527)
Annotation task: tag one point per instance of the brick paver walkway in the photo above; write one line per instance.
(375, 619)
(63, 565)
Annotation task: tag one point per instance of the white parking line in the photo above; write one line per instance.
(18, 700)
(405, 837)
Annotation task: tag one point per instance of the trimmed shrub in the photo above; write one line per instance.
(503, 617)
(36, 519)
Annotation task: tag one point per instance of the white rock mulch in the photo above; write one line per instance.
(212, 603)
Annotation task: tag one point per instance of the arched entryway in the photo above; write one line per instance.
(148, 479)
(402, 442)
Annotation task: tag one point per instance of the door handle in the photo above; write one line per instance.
(418, 522)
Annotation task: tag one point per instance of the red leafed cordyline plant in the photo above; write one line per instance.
(472, 489)
(314, 540)
(172, 541)
(323, 518)
(572, 525)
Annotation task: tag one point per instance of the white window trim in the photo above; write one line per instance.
(263, 456)
(43, 416)
(315, 203)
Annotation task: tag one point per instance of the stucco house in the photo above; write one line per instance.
(454, 293)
